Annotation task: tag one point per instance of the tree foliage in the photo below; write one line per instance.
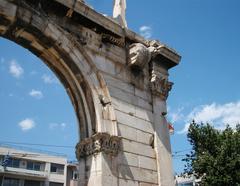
(215, 155)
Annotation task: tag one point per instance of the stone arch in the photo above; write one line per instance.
(64, 54)
(59, 32)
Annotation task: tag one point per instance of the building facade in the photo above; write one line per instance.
(25, 168)
(187, 181)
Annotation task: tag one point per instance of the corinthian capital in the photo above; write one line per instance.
(160, 86)
(100, 142)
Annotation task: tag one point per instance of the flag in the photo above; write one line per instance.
(6, 160)
(170, 128)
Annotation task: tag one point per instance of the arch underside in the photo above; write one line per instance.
(61, 52)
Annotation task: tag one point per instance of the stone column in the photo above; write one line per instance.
(162, 143)
(160, 59)
(97, 158)
(163, 58)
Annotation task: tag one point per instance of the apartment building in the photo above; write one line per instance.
(26, 168)
(187, 181)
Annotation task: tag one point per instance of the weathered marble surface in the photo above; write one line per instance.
(117, 81)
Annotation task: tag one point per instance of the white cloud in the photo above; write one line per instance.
(177, 115)
(54, 126)
(216, 114)
(26, 124)
(63, 125)
(49, 79)
(33, 72)
(146, 31)
(36, 94)
(185, 129)
(2, 60)
(15, 69)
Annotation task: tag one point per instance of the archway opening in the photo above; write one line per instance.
(60, 43)
(36, 111)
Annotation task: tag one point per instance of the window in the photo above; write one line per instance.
(33, 183)
(14, 163)
(57, 168)
(10, 182)
(55, 184)
(5, 160)
(31, 165)
(37, 166)
(9, 161)
(74, 175)
(1, 159)
(186, 184)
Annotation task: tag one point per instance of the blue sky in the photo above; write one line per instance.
(34, 104)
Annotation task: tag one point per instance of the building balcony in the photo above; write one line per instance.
(23, 172)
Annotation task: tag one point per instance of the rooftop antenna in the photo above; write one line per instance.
(119, 12)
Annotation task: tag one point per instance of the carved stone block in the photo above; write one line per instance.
(100, 142)
(139, 55)
(160, 86)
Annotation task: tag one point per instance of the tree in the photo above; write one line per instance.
(215, 155)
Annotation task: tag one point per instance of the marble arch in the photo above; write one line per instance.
(117, 81)
(62, 53)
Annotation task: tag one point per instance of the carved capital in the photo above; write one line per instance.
(100, 142)
(160, 86)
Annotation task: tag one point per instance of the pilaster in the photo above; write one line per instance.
(97, 157)
(163, 58)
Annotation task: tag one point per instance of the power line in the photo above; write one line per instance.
(66, 146)
(184, 150)
(176, 156)
(27, 149)
(36, 144)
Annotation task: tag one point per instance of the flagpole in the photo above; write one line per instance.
(2, 178)
(3, 174)
(4, 168)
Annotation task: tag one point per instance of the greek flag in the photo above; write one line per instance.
(6, 160)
